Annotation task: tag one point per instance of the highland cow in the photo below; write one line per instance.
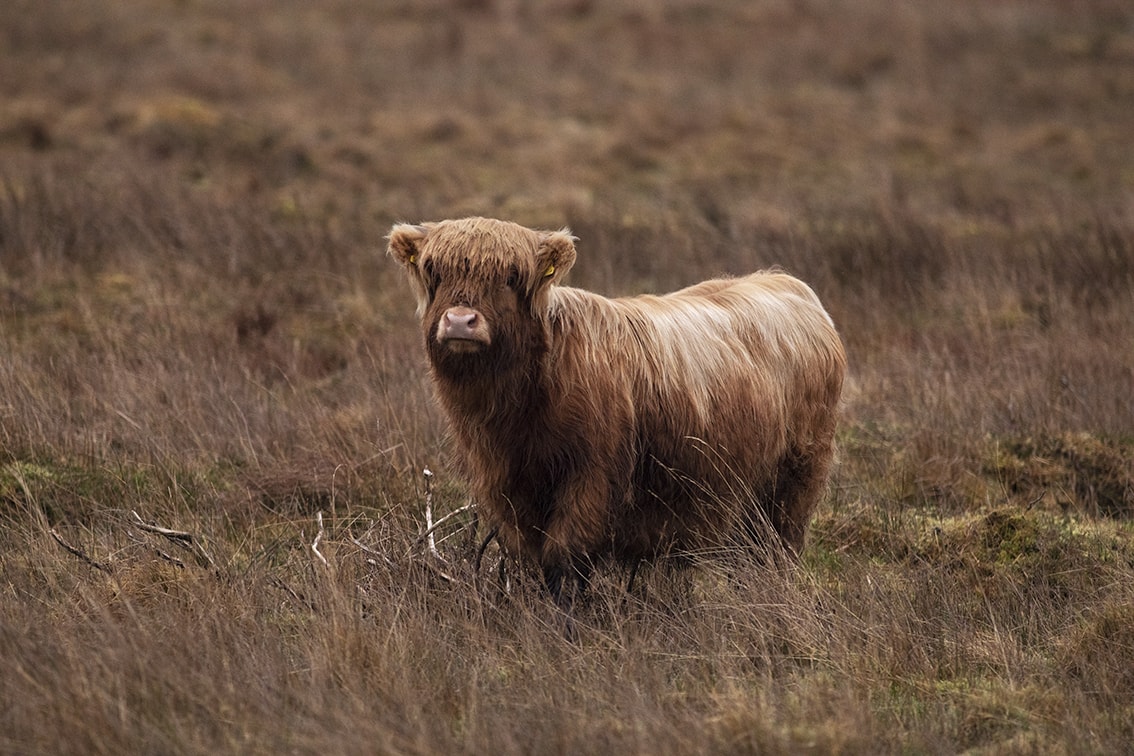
(595, 428)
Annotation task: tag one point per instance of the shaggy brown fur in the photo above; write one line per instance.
(622, 428)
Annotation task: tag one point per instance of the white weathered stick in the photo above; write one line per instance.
(429, 514)
(173, 535)
(318, 537)
(429, 533)
(180, 537)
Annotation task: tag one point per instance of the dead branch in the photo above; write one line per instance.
(78, 552)
(474, 525)
(183, 539)
(318, 537)
(173, 535)
(439, 572)
(431, 528)
(427, 536)
(171, 559)
(429, 514)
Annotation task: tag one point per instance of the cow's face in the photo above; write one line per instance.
(481, 284)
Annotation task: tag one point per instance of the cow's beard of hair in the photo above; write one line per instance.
(489, 382)
(470, 363)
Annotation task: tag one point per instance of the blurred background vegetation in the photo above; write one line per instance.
(197, 323)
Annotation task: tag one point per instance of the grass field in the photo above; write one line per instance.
(200, 331)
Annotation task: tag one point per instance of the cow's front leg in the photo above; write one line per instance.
(573, 535)
(567, 586)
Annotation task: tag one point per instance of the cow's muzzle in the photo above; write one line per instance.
(462, 329)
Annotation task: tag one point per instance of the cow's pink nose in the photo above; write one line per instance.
(462, 323)
(460, 319)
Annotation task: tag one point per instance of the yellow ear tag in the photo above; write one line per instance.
(549, 271)
(413, 259)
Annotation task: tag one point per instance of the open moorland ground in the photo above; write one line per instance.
(200, 332)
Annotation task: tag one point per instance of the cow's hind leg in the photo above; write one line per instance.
(799, 485)
(633, 574)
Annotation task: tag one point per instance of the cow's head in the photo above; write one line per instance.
(481, 284)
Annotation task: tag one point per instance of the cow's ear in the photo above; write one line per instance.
(554, 257)
(405, 246)
(405, 242)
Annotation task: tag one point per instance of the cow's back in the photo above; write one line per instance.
(727, 379)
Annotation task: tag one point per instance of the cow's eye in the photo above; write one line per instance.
(432, 278)
(513, 278)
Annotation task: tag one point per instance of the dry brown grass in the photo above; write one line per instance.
(196, 324)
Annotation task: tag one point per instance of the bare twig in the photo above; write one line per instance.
(318, 537)
(474, 525)
(431, 528)
(503, 576)
(484, 545)
(78, 552)
(503, 579)
(133, 423)
(173, 535)
(366, 549)
(439, 572)
(171, 559)
(180, 537)
(429, 514)
(427, 535)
